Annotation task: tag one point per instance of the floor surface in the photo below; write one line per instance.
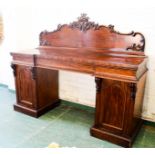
(66, 125)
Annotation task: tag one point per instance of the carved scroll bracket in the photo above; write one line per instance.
(98, 82)
(14, 67)
(33, 72)
(133, 90)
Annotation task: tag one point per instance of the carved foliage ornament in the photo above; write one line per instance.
(43, 42)
(140, 46)
(84, 24)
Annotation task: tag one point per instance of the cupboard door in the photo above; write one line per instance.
(114, 100)
(25, 86)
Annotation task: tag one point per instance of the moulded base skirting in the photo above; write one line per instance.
(114, 138)
(33, 112)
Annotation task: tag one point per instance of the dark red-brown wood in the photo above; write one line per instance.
(84, 33)
(118, 110)
(116, 60)
(36, 89)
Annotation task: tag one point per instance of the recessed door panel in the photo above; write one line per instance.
(26, 86)
(114, 100)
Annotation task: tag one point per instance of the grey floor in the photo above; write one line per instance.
(66, 125)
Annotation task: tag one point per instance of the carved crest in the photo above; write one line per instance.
(84, 24)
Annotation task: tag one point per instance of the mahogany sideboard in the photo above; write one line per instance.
(116, 60)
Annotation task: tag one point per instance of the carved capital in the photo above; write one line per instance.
(13, 66)
(133, 90)
(98, 82)
(33, 72)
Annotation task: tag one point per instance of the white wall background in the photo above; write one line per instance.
(25, 19)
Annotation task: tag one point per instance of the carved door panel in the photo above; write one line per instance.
(25, 86)
(114, 101)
